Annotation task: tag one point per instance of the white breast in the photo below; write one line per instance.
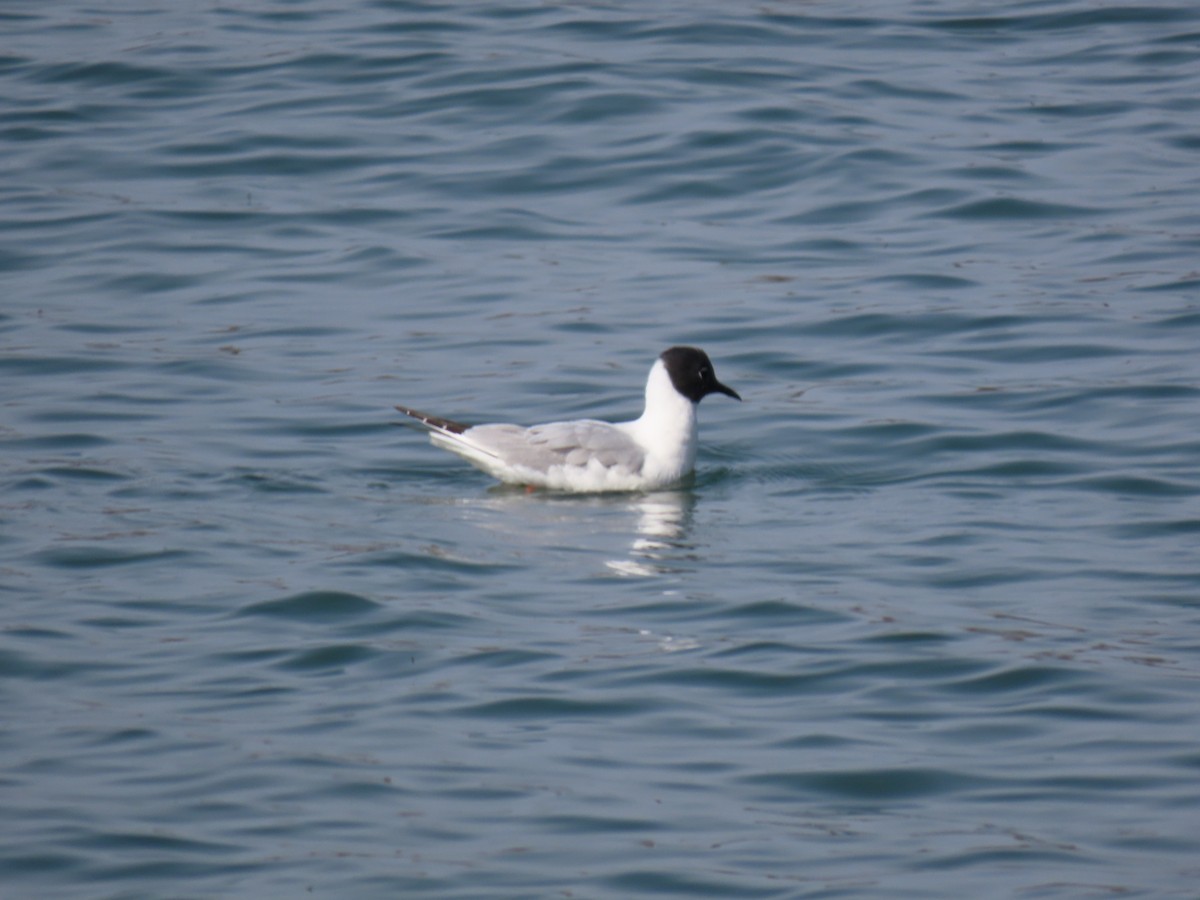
(666, 431)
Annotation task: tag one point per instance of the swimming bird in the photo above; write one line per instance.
(652, 452)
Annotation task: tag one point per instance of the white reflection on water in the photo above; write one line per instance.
(664, 519)
(655, 525)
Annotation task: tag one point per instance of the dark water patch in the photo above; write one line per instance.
(215, 366)
(993, 173)
(222, 220)
(149, 283)
(938, 442)
(274, 482)
(1025, 850)
(1094, 787)
(168, 871)
(504, 658)
(917, 639)
(654, 882)
(700, 34)
(873, 158)
(1186, 142)
(21, 664)
(506, 232)
(862, 785)
(876, 87)
(535, 708)
(238, 698)
(251, 657)
(493, 103)
(574, 76)
(309, 428)
(10, 260)
(778, 613)
(367, 216)
(1025, 149)
(607, 106)
(1014, 471)
(594, 824)
(1187, 284)
(671, 608)
(741, 681)
(892, 433)
(1021, 680)
(1180, 321)
(816, 741)
(273, 164)
(385, 259)
(939, 325)
(154, 842)
(784, 472)
(1165, 59)
(1062, 21)
(331, 659)
(1078, 110)
(102, 556)
(26, 864)
(589, 28)
(209, 146)
(44, 365)
(773, 114)
(766, 649)
(1014, 209)
(836, 214)
(481, 794)
(431, 559)
(1036, 399)
(1155, 529)
(313, 606)
(989, 733)
(744, 77)
(683, 189)
(83, 472)
(103, 74)
(981, 577)
(8, 60)
(310, 332)
(1135, 486)
(928, 281)
(909, 669)
(25, 632)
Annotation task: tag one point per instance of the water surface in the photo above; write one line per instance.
(926, 624)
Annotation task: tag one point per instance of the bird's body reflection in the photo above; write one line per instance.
(663, 521)
(630, 536)
(656, 524)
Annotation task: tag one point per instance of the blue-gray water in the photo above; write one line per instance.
(926, 625)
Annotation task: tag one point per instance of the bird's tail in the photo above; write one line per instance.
(436, 423)
(449, 435)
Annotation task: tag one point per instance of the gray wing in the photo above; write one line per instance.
(543, 447)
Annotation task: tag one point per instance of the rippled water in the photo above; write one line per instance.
(928, 621)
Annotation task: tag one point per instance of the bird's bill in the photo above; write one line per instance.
(728, 391)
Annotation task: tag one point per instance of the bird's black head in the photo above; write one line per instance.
(692, 374)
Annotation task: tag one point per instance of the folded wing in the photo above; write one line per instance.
(583, 455)
(582, 443)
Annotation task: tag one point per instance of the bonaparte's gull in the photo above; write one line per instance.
(652, 452)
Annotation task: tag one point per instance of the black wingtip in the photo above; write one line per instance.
(434, 421)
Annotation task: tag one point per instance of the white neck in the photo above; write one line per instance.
(667, 427)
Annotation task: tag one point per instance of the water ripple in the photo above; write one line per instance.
(314, 606)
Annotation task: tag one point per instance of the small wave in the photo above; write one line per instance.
(313, 606)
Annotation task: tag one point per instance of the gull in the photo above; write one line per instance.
(655, 451)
